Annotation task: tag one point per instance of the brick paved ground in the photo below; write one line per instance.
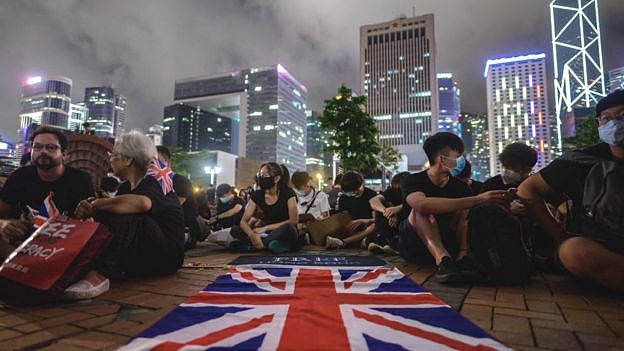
(551, 313)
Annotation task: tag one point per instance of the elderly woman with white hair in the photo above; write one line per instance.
(144, 217)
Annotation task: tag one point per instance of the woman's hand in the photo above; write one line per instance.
(256, 241)
(84, 209)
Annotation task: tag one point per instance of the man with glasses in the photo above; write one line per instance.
(590, 247)
(28, 186)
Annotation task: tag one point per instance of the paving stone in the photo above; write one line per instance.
(95, 322)
(616, 326)
(543, 306)
(39, 337)
(8, 334)
(512, 324)
(589, 328)
(27, 328)
(586, 338)
(480, 315)
(49, 312)
(528, 314)
(61, 347)
(556, 339)
(94, 340)
(11, 320)
(63, 319)
(507, 337)
(581, 316)
(126, 328)
(515, 305)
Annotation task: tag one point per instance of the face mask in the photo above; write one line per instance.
(301, 193)
(612, 133)
(224, 200)
(349, 194)
(460, 163)
(266, 182)
(511, 177)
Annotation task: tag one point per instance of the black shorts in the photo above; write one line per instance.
(412, 249)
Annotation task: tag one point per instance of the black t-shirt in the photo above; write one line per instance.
(568, 178)
(165, 211)
(358, 207)
(183, 188)
(475, 186)
(24, 187)
(496, 183)
(278, 212)
(420, 182)
(232, 220)
(393, 197)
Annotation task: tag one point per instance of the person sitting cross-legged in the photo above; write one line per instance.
(145, 218)
(436, 228)
(591, 247)
(389, 212)
(355, 200)
(279, 206)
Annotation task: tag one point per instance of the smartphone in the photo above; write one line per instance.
(513, 193)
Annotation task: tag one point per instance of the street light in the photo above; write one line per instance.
(212, 171)
(319, 177)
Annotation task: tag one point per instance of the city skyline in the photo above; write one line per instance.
(140, 50)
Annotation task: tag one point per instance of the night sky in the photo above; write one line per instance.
(141, 47)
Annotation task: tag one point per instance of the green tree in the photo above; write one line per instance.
(389, 157)
(354, 133)
(586, 134)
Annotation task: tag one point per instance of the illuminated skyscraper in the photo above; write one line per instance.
(616, 79)
(78, 114)
(107, 111)
(518, 108)
(476, 139)
(43, 101)
(318, 161)
(449, 97)
(268, 105)
(577, 57)
(398, 76)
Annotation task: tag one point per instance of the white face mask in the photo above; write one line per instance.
(511, 177)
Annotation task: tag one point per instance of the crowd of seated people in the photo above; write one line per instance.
(421, 216)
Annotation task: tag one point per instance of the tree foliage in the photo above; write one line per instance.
(586, 134)
(354, 133)
(389, 157)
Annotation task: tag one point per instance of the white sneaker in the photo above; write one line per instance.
(389, 250)
(84, 289)
(374, 247)
(333, 243)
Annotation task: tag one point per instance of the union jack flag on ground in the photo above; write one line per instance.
(46, 210)
(313, 308)
(162, 173)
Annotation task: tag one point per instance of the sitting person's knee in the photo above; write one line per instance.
(577, 256)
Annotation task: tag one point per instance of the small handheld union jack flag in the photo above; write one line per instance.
(162, 173)
(47, 210)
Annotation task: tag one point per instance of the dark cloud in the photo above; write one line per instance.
(142, 46)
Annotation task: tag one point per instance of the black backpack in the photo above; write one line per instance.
(603, 197)
(498, 246)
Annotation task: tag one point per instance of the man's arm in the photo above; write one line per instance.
(533, 192)
(377, 203)
(439, 205)
(231, 212)
(123, 204)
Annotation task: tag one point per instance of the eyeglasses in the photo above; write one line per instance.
(604, 118)
(48, 147)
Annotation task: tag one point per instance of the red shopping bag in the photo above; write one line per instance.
(56, 255)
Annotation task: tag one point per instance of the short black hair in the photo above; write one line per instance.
(441, 143)
(467, 171)
(397, 178)
(60, 135)
(223, 189)
(299, 179)
(351, 181)
(164, 150)
(338, 179)
(518, 154)
(110, 184)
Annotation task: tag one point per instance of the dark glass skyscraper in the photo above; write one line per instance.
(107, 111)
(449, 98)
(318, 161)
(269, 104)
